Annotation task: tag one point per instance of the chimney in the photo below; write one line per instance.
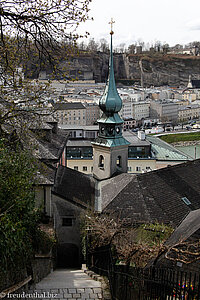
(141, 135)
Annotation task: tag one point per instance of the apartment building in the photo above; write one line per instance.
(190, 95)
(134, 110)
(140, 110)
(92, 113)
(70, 113)
(189, 112)
(126, 112)
(165, 110)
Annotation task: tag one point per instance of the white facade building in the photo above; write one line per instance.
(140, 110)
(135, 110)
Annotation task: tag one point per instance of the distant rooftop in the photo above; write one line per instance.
(164, 151)
(192, 106)
(79, 127)
(69, 105)
(133, 139)
(79, 143)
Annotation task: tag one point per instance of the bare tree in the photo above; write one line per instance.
(131, 49)
(37, 27)
(136, 244)
(82, 46)
(122, 47)
(92, 45)
(33, 36)
(186, 252)
(104, 47)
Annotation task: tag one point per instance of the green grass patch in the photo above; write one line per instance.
(181, 137)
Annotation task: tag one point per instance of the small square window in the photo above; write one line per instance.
(67, 222)
(138, 169)
(84, 168)
(76, 168)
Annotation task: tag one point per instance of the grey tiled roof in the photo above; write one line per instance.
(40, 124)
(79, 127)
(117, 183)
(157, 195)
(53, 149)
(79, 143)
(45, 175)
(75, 186)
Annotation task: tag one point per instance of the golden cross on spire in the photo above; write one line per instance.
(111, 23)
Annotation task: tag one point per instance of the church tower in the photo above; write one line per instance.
(110, 150)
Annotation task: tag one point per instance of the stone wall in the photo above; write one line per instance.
(41, 267)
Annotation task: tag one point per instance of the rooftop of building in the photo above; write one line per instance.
(188, 107)
(79, 127)
(134, 140)
(165, 102)
(131, 137)
(75, 187)
(166, 195)
(68, 106)
(164, 151)
(52, 149)
(79, 143)
(189, 225)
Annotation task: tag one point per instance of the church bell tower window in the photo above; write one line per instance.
(119, 161)
(101, 162)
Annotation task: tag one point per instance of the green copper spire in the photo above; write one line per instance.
(110, 123)
(110, 101)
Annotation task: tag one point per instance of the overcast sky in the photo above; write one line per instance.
(171, 21)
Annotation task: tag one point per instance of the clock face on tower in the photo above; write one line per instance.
(117, 130)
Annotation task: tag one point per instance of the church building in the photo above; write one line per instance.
(110, 150)
(168, 195)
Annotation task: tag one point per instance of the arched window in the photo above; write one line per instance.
(119, 161)
(101, 162)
